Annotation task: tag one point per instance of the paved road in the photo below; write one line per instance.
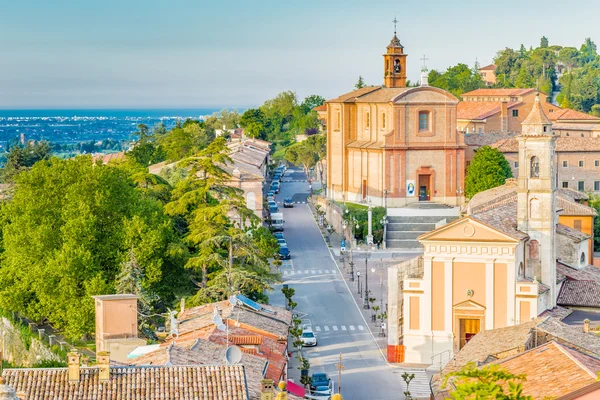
(325, 302)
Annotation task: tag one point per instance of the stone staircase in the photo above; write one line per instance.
(419, 387)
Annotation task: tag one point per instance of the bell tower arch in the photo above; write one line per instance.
(394, 63)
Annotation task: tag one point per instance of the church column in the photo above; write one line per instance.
(448, 278)
(426, 308)
(510, 294)
(489, 294)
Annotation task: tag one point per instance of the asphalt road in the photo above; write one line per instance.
(325, 302)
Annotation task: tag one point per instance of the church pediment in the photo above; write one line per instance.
(468, 305)
(466, 229)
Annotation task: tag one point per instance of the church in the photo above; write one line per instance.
(515, 254)
(392, 144)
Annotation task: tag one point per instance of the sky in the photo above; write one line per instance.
(199, 53)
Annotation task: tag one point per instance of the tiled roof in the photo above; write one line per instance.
(485, 139)
(496, 343)
(563, 144)
(201, 352)
(246, 339)
(552, 370)
(383, 95)
(477, 110)
(572, 336)
(220, 382)
(498, 92)
(557, 114)
(488, 67)
(536, 115)
(565, 206)
(502, 218)
(579, 294)
(571, 233)
(573, 194)
(351, 96)
(322, 107)
(558, 126)
(107, 158)
(579, 393)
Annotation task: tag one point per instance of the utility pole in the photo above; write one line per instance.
(340, 367)
(366, 300)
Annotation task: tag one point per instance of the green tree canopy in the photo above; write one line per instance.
(488, 169)
(21, 158)
(457, 80)
(360, 84)
(66, 234)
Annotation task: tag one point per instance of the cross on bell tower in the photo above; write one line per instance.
(394, 62)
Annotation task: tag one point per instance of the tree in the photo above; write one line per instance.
(588, 51)
(361, 83)
(544, 42)
(488, 169)
(488, 383)
(457, 80)
(68, 228)
(311, 102)
(594, 201)
(21, 158)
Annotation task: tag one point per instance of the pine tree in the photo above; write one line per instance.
(361, 83)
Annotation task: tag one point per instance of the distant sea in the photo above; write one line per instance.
(72, 125)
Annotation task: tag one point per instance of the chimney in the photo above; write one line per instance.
(586, 326)
(504, 116)
(266, 389)
(103, 359)
(73, 362)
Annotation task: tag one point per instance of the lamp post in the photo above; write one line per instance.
(366, 305)
(384, 223)
(358, 276)
(385, 194)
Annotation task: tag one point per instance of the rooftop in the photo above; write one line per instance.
(208, 382)
(478, 110)
(579, 294)
(498, 92)
(488, 67)
(536, 116)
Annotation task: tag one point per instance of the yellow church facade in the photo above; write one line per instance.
(394, 144)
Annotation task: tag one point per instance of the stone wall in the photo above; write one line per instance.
(15, 350)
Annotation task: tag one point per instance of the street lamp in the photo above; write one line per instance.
(370, 222)
(366, 305)
(385, 194)
(358, 276)
(384, 222)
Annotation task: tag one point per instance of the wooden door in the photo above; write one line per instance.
(468, 329)
(364, 188)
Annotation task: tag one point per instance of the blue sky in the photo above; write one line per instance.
(198, 53)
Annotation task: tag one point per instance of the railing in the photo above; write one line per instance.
(441, 356)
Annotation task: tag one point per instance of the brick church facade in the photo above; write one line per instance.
(394, 144)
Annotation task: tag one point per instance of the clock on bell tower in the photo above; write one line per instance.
(394, 63)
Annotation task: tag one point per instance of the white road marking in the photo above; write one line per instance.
(326, 328)
(335, 328)
(361, 328)
(352, 328)
(320, 271)
(312, 271)
(318, 328)
(343, 327)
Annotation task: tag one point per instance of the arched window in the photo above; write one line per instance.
(582, 259)
(535, 167)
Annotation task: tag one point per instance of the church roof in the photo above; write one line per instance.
(536, 115)
(563, 144)
(579, 294)
(350, 97)
(382, 94)
(571, 233)
(395, 43)
(557, 114)
(503, 219)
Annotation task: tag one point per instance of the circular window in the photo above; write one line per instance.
(468, 230)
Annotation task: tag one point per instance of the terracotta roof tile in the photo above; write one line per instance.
(485, 139)
(579, 294)
(215, 382)
(488, 67)
(351, 96)
(322, 107)
(498, 92)
(571, 233)
(477, 110)
(552, 370)
(503, 218)
(557, 114)
(246, 339)
(572, 336)
(563, 144)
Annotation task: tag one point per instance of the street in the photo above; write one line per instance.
(324, 301)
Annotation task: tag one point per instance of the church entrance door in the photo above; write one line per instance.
(468, 329)
(424, 189)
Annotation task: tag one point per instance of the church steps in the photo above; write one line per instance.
(415, 219)
(403, 244)
(404, 234)
(409, 226)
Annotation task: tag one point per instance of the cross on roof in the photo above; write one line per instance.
(395, 21)
(424, 59)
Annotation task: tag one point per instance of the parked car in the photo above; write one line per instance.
(319, 379)
(308, 338)
(271, 194)
(275, 187)
(273, 208)
(278, 235)
(270, 199)
(288, 203)
(277, 177)
(284, 253)
(282, 242)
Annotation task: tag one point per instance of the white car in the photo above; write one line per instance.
(308, 338)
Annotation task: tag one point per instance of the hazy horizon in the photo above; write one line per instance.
(186, 54)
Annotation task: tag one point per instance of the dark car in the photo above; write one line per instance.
(319, 379)
(288, 203)
(284, 253)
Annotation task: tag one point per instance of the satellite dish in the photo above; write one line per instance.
(221, 326)
(233, 355)
(233, 300)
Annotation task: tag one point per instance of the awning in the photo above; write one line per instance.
(295, 389)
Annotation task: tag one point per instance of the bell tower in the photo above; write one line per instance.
(394, 63)
(536, 194)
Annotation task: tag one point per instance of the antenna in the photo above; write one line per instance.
(233, 355)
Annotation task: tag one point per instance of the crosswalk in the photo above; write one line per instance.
(333, 328)
(308, 272)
